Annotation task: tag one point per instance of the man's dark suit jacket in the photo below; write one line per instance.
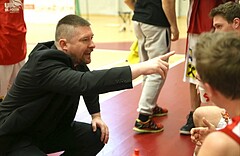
(45, 95)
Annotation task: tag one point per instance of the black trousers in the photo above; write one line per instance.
(77, 140)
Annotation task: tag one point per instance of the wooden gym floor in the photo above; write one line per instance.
(119, 108)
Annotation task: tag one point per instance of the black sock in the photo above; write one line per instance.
(143, 118)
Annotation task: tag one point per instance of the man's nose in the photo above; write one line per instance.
(92, 44)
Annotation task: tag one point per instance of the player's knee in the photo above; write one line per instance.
(197, 117)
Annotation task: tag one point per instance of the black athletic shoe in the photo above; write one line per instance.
(185, 130)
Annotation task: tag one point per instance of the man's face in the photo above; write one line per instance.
(221, 25)
(80, 46)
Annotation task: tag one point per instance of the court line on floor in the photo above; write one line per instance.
(106, 96)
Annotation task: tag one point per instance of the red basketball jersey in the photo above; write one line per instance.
(233, 129)
(198, 15)
(12, 32)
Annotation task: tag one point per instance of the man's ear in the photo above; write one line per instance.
(236, 23)
(63, 44)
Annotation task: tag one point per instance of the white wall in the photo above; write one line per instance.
(54, 9)
(102, 7)
(182, 7)
(47, 11)
(111, 7)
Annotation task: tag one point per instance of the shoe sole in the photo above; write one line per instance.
(147, 131)
(185, 132)
(159, 115)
